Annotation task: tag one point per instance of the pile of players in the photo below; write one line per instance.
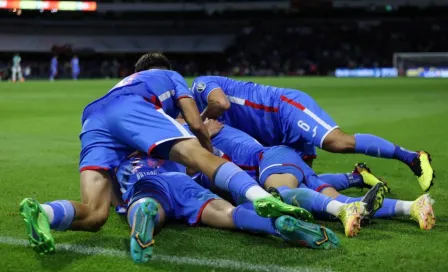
(226, 154)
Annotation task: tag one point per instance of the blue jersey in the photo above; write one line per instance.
(160, 87)
(133, 169)
(254, 107)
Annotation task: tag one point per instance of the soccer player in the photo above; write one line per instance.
(53, 67)
(280, 167)
(159, 190)
(276, 116)
(137, 114)
(16, 69)
(75, 67)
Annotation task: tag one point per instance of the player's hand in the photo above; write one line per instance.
(213, 127)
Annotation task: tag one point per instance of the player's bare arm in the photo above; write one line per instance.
(192, 117)
(217, 104)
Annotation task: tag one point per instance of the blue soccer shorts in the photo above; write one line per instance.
(126, 124)
(285, 160)
(304, 120)
(178, 194)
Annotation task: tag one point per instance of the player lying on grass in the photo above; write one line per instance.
(282, 168)
(276, 116)
(137, 114)
(156, 194)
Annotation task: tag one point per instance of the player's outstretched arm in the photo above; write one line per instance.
(217, 104)
(191, 115)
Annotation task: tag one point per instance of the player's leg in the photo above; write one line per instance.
(61, 215)
(313, 124)
(371, 145)
(146, 214)
(14, 74)
(196, 204)
(19, 73)
(137, 123)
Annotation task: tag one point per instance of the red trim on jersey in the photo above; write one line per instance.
(323, 186)
(151, 148)
(93, 168)
(201, 210)
(155, 101)
(184, 96)
(292, 102)
(259, 106)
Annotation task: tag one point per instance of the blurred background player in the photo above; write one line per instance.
(16, 69)
(75, 67)
(53, 67)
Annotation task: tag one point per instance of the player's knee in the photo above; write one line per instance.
(280, 180)
(339, 142)
(95, 222)
(187, 151)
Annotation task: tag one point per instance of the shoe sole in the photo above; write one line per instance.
(374, 199)
(145, 216)
(288, 225)
(41, 241)
(272, 209)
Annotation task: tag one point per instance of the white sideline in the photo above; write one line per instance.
(216, 263)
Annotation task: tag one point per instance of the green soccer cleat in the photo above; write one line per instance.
(143, 230)
(37, 226)
(272, 207)
(422, 212)
(303, 234)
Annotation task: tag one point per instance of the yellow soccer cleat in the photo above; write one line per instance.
(350, 216)
(369, 179)
(421, 166)
(423, 213)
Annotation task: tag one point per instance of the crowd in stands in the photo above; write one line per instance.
(276, 46)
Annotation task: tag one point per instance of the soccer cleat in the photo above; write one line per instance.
(142, 231)
(423, 213)
(368, 178)
(421, 166)
(303, 234)
(374, 198)
(350, 216)
(37, 226)
(272, 207)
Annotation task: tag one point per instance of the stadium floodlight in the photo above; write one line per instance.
(404, 61)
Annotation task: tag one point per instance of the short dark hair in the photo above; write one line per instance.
(152, 60)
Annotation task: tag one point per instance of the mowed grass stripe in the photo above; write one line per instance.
(215, 263)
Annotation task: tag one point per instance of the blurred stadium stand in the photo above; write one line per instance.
(250, 37)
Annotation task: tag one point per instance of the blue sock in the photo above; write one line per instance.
(63, 214)
(373, 146)
(308, 199)
(342, 181)
(387, 210)
(231, 178)
(245, 218)
(404, 155)
(347, 199)
(131, 214)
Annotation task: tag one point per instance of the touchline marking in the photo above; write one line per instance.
(216, 263)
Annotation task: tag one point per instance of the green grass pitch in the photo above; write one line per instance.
(39, 149)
